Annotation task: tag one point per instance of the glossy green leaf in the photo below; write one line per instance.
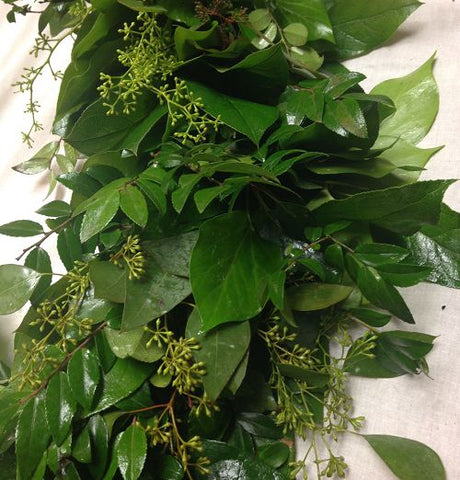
(370, 317)
(399, 209)
(134, 205)
(360, 26)
(222, 350)
(274, 454)
(124, 378)
(40, 162)
(165, 283)
(55, 208)
(403, 275)
(168, 468)
(382, 294)
(416, 99)
(230, 270)
(60, 407)
(296, 34)
(84, 375)
(189, 42)
(316, 296)
(298, 103)
(132, 452)
(344, 117)
(306, 57)
(407, 459)
(81, 447)
(140, 6)
(69, 247)
(313, 378)
(21, 228)
(154, 193)
(260, 425)
(108, 280)
(80, 183)
(124, 344)
(32, 437)
(251, 119)
(259, 18)
(312, 14)
(99, 438)
(375, 254)
(16, 286)
(39, 261)
(99, 214)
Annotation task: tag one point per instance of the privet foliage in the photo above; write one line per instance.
(241, 213)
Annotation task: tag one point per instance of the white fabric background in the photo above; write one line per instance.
(414, 407)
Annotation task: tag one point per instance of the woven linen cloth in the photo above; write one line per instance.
(420, 408)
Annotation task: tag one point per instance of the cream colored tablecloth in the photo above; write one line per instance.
(416, 407)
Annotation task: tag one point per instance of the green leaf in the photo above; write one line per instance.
(360, 26)
(140, 6)
(32, 437)
(21, 228)
(56, 208)
(40, 162)
(407, 459)
(344, 117)
(316, 296)
(382, 294)
(124, 344)
(274, 454)
(260, 425)
(370, 317)
(39, 260)
(165, 283)
(16, 286)
(190, 42)
(403, 275)
(99, 214)
(222, 350)
(230, 270)
(80, 183)
(154, 193)
(124, 378)
(69, 247)
(251, 119)
(168, 468)
(313, 378)
(416, 99)
(312, 14)
(259, 18)
(108, 280)
(399, 209)
(60, 407)
(84, 375)
(81, 447)
(296, 34)
(99, 438)
(132, 452)
(375, 254)
(133, 204)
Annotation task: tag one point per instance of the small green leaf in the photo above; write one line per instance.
(84, 375)
(99, 214)
(308, 57)
(370, 317)
(132, 452)
(40, 162)
(133, 204)
(274, 454)
(21, 228)
(32, 437)
(296, 34)
(60, 407)
(259, 18)
(316, 296)
(260, 425)
(39, 260)
(56, 208)
(16, 286)
(407, 459)
(69, 247)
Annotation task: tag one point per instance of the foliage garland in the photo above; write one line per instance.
(241, 215)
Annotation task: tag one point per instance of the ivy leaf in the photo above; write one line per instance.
(407, 459)
(99, 213)
(40, 162)
(311, 14)
(360, 26)
(39, 261)
(60, 407)
(32, 437)
(16, 286)
(21, 228)
(222, 350)
(132, 452)
(316, 296)
(84, 375)
(250, 118)
(416, 99)
(230, 270)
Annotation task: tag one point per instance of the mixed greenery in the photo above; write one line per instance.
(241, 214)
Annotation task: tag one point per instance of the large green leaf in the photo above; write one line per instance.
(251, 119)
(165, 283)
(60, 407)
(108, 280)
(312, 14)
(21, 228)
(230, 270)
(399, 209)
(132, 452)
(124, 378)
(407, 459)
(222, 350)
(360, 26)
(84, 375)
(16, 286)
(316, 296)
(416, 99)
(32, 437)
